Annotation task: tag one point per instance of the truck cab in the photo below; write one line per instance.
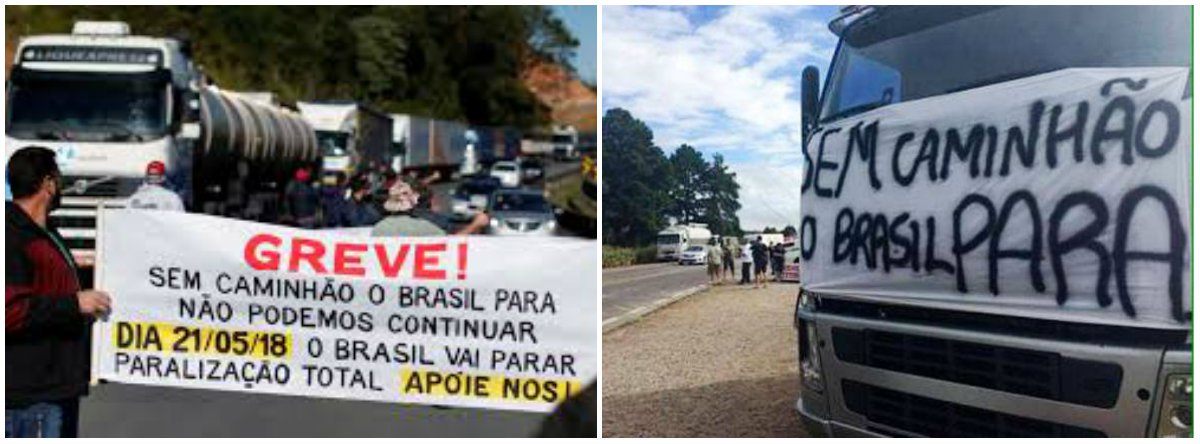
(995, 231)
(566, 141)
(673, 240)
(108, 103)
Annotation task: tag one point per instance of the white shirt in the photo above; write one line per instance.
(155, 197)
(745, 253)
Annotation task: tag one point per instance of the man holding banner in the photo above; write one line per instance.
(46, 317)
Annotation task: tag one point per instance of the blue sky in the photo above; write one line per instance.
(581, 20)
(723, 80)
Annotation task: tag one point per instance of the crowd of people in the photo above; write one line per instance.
(756, 258)
(378, 198)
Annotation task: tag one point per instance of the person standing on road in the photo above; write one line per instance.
(333, 195)
(152, 195)
(714, 262)
(745, 259)
(777, 262)
(300, 200)
(47, 318)
(403, 205)
(358, 210)
(727, 260)
(759, 251)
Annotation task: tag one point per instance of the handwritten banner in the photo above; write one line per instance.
(206, 302)
(1060, 196)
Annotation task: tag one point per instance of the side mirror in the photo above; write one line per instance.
(809, 92)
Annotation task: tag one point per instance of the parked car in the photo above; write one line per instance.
(473, 196)
(694, 255)
(508, 172)
(521, 212)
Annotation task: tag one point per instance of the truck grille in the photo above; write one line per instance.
(80, 244)
(1027, 372)
(934, 418)
(97, 186)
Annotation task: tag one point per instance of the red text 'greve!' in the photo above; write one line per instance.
(418, 260)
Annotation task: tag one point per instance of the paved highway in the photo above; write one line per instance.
(629, 288)
(124, 410)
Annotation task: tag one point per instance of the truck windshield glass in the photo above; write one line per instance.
(99, 108)
(563, 139)
(901, 54)
(332, 143)
(668, 239)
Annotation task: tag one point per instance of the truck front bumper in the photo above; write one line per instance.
(819, 427)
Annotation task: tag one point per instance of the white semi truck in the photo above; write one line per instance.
(995, 227)
(559, 141)
(109, 103)
(676, 238)
(351, 136)
(566, 142)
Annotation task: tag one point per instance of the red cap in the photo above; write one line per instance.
(156, 168)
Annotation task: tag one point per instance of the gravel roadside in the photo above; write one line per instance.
(721, 363)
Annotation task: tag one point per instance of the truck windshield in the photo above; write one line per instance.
(899, 54)
(668, 239)
(332, 143)
(563, 139)
(87, 107)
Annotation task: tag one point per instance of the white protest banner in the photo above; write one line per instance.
(1059, 196)
(207, 302)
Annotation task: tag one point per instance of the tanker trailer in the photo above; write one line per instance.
(246, 152)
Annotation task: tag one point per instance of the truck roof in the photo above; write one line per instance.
(172, 55)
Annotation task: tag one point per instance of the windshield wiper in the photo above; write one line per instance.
(50, 135)
(119, 132)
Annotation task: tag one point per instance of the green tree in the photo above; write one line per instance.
(789, 231)
(721, 198)
(688, 193)
(634, 181)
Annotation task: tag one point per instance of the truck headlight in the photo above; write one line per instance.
(1175, 418)
(808, 302)
(810, 356)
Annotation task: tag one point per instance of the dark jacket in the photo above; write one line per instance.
(47, 342)
(300, 201)
(332, 198)
(759, 251)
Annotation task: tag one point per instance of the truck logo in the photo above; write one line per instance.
(65, 155)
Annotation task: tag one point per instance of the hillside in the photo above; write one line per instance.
(570, 101)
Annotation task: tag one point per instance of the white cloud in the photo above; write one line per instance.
(726, 84)
(770, 194)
